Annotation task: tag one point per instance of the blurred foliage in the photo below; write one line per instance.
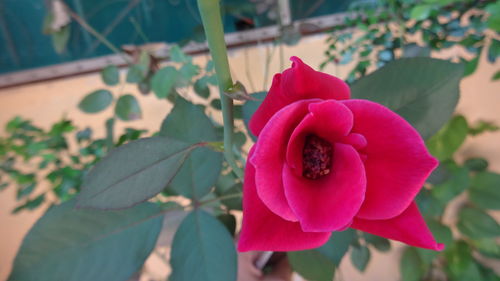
(58, 159)
(467, 229)
(378, 32)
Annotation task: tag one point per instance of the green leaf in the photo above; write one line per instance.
(210, 66)
(47, 23)
(229, 222)
(360, 256)
(79, 245)
(424, 91)
(476, 223)
(494, 22)
(144, 86)
(494, 50)
(476, 164)
(487, 274)
(494, 15)
(96, 101)
(25, 190)
(447, 140)
(110, 132)
(136, 73)
(133, 173)
(338, 244)
(198, 174)
(110, 75)
(187, 72)
(216, 104)
(60, 38)
(312, 265)
(481, 127)
(188, 123)
(31, 204)
(485, 190)
(84, 135)
(488, 247)
(177, 55)
(202, 250)
(457, 181)
(378, 242)
(460, 264)
(61, 127)
(320, 263)
(249, 108)
(441, 232)
(201, 88)
(421, 12)
(127, 108)
(429, 206)
(163, 81)
(227, 184)
(411, 266)
(3, 186)
(129, 135)
(235, 202)
(496, 76)
(413, 50)
(470, 65)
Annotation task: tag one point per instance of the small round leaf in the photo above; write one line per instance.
(96, 101)
(110, 75)
(127, 108)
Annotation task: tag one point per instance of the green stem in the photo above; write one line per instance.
(212, 23)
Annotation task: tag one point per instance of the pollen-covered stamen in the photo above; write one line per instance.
(316, 157)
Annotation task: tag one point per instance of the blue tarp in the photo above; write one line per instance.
(24, 46)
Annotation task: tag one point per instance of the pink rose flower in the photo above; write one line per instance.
(324, 162)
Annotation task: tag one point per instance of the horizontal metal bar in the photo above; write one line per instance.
(233, 40)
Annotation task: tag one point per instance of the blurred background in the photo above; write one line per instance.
(54, 53)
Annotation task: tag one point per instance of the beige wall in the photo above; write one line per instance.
(47, 102)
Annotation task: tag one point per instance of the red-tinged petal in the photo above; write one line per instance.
(328, 203)
(409, 227)
(297, 83)
(269, 157)
(329, 120)
(397, 161)
(357, 141)
(262, 230)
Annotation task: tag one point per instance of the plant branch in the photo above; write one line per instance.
(114, 23)
(96, 34)
(229, 196)
(212, 23)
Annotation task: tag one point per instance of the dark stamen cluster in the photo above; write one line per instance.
(316, 157)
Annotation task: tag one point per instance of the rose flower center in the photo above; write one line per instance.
(316, 157)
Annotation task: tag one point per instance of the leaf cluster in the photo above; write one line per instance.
(380, 31)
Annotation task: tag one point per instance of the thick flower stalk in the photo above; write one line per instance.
(324, 162)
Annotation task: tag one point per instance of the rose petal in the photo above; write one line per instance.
(329, 120)
(409, 227)
(397, 162)
(269, 157)
(297, 83)
(262, 230)
(357, 141)
(330, 202)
